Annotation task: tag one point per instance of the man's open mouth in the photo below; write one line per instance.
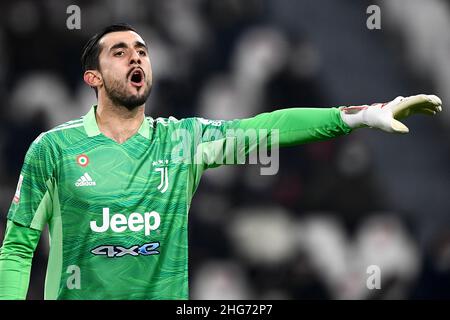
(137, 77)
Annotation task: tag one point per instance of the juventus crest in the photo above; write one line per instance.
(162, 168)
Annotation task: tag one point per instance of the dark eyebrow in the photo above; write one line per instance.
(138, 44)
(118, 45)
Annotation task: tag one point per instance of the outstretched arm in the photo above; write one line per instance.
(301, 125)
(294, 126)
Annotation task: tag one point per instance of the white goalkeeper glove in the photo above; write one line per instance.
(385, 116)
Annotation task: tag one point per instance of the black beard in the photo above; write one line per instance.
(116, 92)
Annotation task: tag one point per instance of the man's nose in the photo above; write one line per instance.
(135, 58)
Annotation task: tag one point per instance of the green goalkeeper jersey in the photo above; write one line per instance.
(118, 213)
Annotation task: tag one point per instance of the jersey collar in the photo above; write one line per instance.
(91, 127)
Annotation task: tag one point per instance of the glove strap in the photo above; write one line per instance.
(354, 116)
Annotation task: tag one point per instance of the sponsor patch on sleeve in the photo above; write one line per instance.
(17, 194)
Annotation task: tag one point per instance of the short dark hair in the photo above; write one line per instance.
(91, 50)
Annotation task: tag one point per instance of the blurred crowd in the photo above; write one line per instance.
(335, 207)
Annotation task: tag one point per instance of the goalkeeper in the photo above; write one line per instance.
(115, 198)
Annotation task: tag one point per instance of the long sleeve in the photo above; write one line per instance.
(28, 214)
(218, 142)
(228, 142)
(299, 125)
(16, 255)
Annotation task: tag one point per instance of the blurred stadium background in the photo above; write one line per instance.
(335, 207)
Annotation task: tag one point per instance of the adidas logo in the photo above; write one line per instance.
(85, 181)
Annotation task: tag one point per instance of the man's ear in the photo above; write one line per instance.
(93, 78)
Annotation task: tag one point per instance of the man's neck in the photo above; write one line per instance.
(117, 122)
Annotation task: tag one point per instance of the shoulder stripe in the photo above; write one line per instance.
(58, 129)
(74, 121)
(69, 123)
(66, 127)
